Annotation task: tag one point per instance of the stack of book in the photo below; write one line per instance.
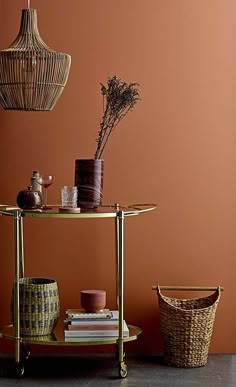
(99, 326)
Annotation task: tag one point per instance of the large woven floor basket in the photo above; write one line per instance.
(186, 328)
(39, 306)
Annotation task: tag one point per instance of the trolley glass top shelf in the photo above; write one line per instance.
(105, 211)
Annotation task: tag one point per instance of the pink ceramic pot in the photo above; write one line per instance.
(93, 300)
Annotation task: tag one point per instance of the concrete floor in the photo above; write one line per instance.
(102, 370)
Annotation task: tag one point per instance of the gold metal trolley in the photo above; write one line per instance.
(118, 213)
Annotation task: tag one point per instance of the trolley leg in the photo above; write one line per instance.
(117, 246)
(18, 246)
(120, 263)
(25, 351)
(21, 247)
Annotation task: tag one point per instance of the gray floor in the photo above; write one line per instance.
(99, 371)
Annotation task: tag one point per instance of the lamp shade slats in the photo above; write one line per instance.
(32, 76)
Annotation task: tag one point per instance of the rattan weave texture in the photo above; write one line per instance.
(186, 328)
(39, 306)
(32, 75)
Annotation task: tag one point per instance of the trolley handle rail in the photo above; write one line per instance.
(201, 288)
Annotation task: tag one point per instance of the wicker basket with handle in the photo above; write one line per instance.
(186, 328)
(39, 306)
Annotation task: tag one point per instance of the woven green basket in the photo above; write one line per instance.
(39, 306)
(186, 328)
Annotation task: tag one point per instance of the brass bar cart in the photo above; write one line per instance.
(118, 213)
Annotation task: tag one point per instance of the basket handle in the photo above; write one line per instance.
(201, 288)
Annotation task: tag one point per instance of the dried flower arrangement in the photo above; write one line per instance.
(118, 99)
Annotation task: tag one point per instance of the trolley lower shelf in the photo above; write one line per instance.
(57, 337)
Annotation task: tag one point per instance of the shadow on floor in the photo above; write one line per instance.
(102, 370)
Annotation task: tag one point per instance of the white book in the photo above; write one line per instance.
(82, 314)
(96, 330)
(79, 321)
(90, 339)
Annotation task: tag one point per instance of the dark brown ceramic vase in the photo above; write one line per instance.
(29, 199)
(89, 180)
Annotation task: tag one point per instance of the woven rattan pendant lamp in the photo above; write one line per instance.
(32, 76)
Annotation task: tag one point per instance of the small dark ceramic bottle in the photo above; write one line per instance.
(34, 183)
(29, 199)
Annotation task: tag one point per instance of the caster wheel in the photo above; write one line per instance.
(19, 370)
(123, 370)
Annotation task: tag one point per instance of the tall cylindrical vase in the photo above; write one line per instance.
(89, 180)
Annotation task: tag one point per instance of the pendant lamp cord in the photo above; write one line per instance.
(28, 3)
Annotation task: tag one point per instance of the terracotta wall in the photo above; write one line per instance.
(176, 149)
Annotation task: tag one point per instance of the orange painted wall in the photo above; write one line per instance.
(177, 148)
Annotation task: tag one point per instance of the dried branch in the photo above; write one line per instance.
(118, 99)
